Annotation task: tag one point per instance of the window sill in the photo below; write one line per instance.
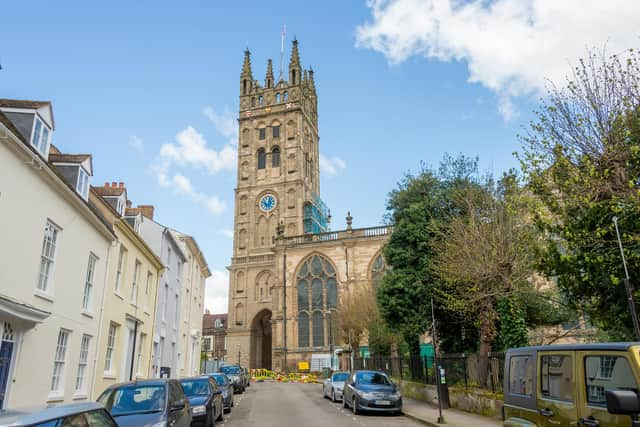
(87, 313)
(116, 293)
(80, 396)
(134, 305)
(55, 397)
(109, 376)
(44, 295)
(147, 313)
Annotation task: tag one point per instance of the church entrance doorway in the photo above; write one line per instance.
(260, 357)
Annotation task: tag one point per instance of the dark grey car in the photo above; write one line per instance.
(89, 413)
(205, 398)
(371, 391)
(224, 383)
(235, 374)
(148, 402)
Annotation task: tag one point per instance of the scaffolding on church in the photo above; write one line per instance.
(317, 216)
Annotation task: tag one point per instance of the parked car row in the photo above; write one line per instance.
(239, 377)
(154, 402)
(363, 391)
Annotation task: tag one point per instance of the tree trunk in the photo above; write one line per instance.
(395, 361)
(487, 332)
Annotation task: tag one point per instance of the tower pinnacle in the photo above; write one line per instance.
(246, 77)
(268, 81)
(295, 69)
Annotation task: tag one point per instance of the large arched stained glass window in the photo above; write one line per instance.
(378, 268)
(317, 287)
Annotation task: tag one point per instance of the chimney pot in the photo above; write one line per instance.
(114, 184)
(121, 184)
(106, 183)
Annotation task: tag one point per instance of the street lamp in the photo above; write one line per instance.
(627, 284)
(328, 313)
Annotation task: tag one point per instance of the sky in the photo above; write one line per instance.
(150, 89)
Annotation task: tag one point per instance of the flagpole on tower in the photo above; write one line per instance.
(282, 36)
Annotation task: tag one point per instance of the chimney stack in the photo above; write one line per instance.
(146, 210)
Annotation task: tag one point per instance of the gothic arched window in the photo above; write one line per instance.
(261, 101)
(286, 96)
(275, 157)
(278, 97)
(317, 288)
(378, 268)
(262, 158)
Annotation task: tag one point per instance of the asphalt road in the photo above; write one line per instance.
(272, 404)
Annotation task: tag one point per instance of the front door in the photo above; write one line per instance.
(6, 354)
(603, 371)
(556, 388)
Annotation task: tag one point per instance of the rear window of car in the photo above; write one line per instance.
(131, 400)
(341, 377)
(521, 375)
(230, 370)
(198, 387)
(220, 379)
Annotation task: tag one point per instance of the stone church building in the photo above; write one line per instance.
(288, 269)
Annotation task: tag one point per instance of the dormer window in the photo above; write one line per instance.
(120, 206)
(40, 137)
(82, 186)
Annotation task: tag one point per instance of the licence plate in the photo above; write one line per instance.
(383, 402)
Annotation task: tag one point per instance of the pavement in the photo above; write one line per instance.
(428, 414)
(272, 404)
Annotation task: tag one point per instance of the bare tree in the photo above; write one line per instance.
(357, 309)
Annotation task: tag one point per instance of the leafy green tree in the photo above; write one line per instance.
(582, 159)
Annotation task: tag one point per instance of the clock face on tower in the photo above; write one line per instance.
(268, 202)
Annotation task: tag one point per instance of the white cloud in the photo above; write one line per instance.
(331, 166)
(190, 149)
(182, 185)
(225, 123)
(136, 143)
(217, 292)
(510, 46)
(227, 233)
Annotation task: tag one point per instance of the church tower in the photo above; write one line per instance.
(278, 185)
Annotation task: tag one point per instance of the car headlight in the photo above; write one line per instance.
(197, 410)
(395, 395)
(365, 395)
(160, 424)
(225, 393)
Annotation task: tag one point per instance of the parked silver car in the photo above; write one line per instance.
(334, 385)
(89, 413)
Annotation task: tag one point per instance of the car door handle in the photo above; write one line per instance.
(546, 412)
(592, 422)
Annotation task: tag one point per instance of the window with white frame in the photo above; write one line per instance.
(40, 136)
(48, 255)
(88, 283)
(82, 186)
(82, 364)
(147, 288)
(57, 379)
(165, 302)
(134, 284)
(176, 318)
(140, 353)
(121, 261)
(111, 345)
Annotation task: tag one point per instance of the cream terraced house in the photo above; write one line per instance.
(53, 263)
(130, 296)
(195, 272)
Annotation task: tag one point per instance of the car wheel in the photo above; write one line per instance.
(333, 396)
(354, 405)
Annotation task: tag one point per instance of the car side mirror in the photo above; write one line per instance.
(217, 391)
(622, 402)
(178, 405)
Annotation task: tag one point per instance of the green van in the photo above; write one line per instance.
(572, 385)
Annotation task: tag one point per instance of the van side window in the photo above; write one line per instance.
(604, 373)
(521, 375)
(556, 377)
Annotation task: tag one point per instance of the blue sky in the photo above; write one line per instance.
(399, 82)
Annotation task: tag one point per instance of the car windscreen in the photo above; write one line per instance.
(341, 377)
(373, 378)
(199, 387)
(134, 399)
(221, 379)
(230, 370)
